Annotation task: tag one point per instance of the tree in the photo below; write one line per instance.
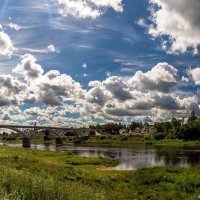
(134, 125)
(192, 117)
(159, 127)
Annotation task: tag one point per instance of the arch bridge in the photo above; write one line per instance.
(27, 131)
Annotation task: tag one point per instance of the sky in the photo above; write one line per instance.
(82, 62)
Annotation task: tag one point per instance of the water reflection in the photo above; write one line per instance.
(132, 158)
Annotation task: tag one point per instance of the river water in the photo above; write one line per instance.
(131, 158)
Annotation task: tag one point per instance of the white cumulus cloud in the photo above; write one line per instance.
(6, 46)
(28, 67)
(161, 77)
(179, 20)
(195, 75)
(87, 8)
(84, 65)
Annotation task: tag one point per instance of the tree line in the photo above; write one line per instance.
(173, 129)
(178, 129)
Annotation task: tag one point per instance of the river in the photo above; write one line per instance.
(131, 158)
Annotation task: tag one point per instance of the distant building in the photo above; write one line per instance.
(122, 131)
(97, 133)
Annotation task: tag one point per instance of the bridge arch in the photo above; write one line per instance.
(17, 130)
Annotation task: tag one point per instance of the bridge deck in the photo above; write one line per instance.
(33, 126)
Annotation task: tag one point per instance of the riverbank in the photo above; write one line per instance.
(116, 141)
(131, 141)
(32, 174)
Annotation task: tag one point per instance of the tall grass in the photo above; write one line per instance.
(16, 184)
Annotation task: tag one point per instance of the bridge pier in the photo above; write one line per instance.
(59, 141)
(26, 142)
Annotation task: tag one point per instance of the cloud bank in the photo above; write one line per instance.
(152, 95)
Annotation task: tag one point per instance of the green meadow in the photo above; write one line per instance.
(44, 175)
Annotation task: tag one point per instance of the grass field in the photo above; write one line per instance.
(30, 174)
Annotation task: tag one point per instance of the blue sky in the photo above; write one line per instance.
(111, 59)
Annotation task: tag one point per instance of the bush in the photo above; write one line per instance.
(159, 136)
